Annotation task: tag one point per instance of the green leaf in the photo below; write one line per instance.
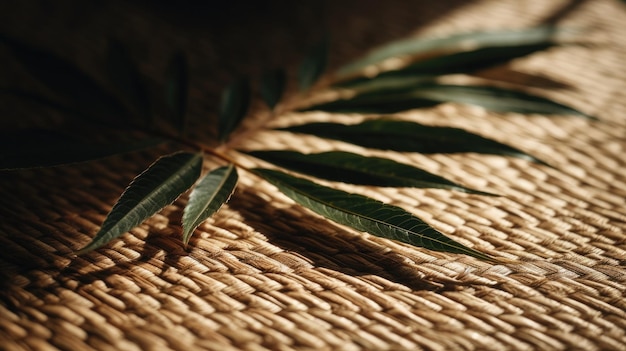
(313, 65)
(407, 136)
(474, 60)
(233, 107)
(177, 88)
(495, 99)
(158, 186)
(365, 214)
(426, 70)
(207, 197)
(376, 102)
(273, 86)
(32, 148)
(357, 169)
(383, 83)
(426, 95)
(431, 47)
(125, 76)
(68, 81)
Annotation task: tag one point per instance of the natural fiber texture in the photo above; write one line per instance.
(265, 274)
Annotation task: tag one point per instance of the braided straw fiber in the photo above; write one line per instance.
(265, 274)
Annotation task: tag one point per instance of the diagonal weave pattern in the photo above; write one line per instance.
(265, 274)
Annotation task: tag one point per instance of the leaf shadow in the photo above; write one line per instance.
(327, 245)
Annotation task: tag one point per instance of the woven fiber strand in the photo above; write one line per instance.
(265, 274)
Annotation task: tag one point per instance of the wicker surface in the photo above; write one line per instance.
(266, 274)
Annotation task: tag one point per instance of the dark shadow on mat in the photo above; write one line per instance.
(326, 244)
(333, 248)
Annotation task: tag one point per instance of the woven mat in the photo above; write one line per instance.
(265, 274)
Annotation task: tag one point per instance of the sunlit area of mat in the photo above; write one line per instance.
(280, 186)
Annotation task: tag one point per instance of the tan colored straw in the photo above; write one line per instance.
(265, 274)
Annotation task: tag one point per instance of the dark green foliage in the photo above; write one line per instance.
(313, 65)
(357, 169)
(365, 214)
(207, 197)
(233, 107)
(158, 186)
(394, 99)
(272, 86)
(435, 47)
(412, 86)
(458, 62)
(396, 135)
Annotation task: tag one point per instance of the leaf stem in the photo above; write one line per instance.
(216, 152)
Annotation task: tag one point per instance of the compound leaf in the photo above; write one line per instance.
(357, 169)
(365, 214)
(158, 186)
(469, 61)
(207, 197)
(376, 102)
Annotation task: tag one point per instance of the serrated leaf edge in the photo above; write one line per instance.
(468, 251)
(229, 176)
(107, 229)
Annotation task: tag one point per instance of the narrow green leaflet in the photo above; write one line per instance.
(495, 99)
(66, 80)
(426, 95)
(429, 47)
(272, 86)
(375, 102)
(424, 70)
(313, 65)
(177, 88)
(357, 169)
(207, 197)
(158, 186)
(365, 214)
(233, 107)
(381, 84)
(32, 148)
(388, 134)
(469, 61)
(125, 76)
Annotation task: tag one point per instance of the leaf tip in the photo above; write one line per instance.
(233, 107)
(314, 65)
(273, 86)
(484, 193)
(86, 249)
(187, 236)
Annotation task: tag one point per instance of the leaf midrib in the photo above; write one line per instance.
(383, 175)
(187, 164)
(219, 188)
(378, 222)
